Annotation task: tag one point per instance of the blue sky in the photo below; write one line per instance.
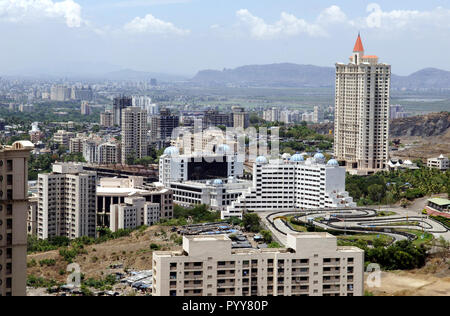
(184, 36)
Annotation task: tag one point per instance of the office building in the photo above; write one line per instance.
(361, 133)
(218, 194)
(134, 134)
(312, 265)
(174, 167)
(13, 216)
(114, 191)
(293, 183)
(67, 202)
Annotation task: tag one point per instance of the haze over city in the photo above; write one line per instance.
(185, 36)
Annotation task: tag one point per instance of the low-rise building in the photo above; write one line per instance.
(312, 265)
(133, 213)
(440, 205)
(114, 191)
(62, 138)
(218, 193)
(441, 163)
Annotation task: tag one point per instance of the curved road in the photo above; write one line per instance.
(356, 220)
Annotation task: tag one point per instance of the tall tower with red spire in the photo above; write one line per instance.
(362, 109)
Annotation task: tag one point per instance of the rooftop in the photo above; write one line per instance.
(439, 201)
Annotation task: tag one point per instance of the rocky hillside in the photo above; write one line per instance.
(433, 124)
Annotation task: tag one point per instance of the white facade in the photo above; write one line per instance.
(441, 163)
(113, 191)
(67, 202)
(218, 194)
(293, 183)
(133, 213)
(174, 167)
(362, 112)
(313, 265)
(134, 133)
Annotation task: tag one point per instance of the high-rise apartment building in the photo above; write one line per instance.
(362, 112)
(67, 202)
(213, 118)
(311, 265)
(85, 108)
(109, 154)
(60, 93)
(241, 119)
(107, 119)
(119, 104)
(134, 133)
(163, 125)
(13, 217)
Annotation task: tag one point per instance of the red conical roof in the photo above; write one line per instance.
(358, 45)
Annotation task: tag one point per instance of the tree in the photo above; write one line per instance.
(251, 222)
(376, 192)
(267, 236)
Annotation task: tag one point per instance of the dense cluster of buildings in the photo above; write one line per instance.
(205, 168)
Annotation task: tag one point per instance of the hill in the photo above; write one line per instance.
(294, 75)
(433, 124)
(276, 75)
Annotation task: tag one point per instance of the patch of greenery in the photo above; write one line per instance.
(39, 282)
(199, 214)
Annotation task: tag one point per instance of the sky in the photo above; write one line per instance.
(185, 36)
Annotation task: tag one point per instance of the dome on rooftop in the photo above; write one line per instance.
(333, 162)
(171, 151)
(297, 158)
(319, 156)
(261, 160)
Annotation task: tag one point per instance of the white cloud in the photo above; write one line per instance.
(33, 10)
(401, 19)
(150, 24)
(333, 16)
(288, 25)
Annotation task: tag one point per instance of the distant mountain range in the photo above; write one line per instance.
(293, 75)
